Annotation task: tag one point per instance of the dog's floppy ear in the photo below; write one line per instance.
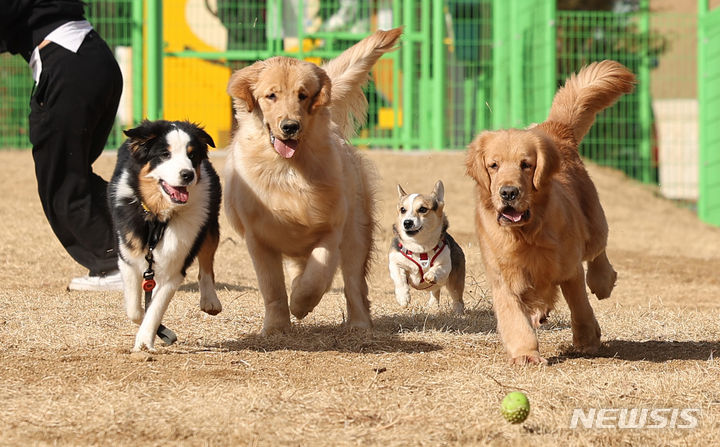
(401, 192)
(548, 161)
(242, 83)
(322, 97)
(475, 159)
(204, 137)
(140, 137)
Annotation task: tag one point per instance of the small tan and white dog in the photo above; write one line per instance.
(423, 254)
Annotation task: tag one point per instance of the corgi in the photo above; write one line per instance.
(423, 254)
(164, 198)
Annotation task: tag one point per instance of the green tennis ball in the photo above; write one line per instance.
(515, 407)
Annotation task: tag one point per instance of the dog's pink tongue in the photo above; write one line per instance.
(513, 215)
(178, 193)
(286, 148)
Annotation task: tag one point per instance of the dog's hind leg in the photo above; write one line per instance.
(132, 291)
(155, 312)
(355, 258)
(585, 328)
(456, 287)
(601, 276)
(317, 277)
(209, 301)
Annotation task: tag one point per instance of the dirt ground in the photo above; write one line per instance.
(423, 377)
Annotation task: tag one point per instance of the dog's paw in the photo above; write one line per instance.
(586, 338)
(430, 277)
(601, 281)
(144, 345)
(458, 307)
(275, 329)
(210, 305)
(136, 315)
(402, 298)
(533, 358)
(360, 326)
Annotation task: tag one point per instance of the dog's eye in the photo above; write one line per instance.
(422, 210)
(271, 97)
(493, 165)
(191, 155)
(165, 155)
(302, 96)
(525, 165)
(402, 210)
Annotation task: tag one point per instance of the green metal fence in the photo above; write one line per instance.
(111, 18)
(463, 66)
(709, 95)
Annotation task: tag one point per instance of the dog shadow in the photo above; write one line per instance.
(657, 351)
(327, 338)
(195, 287)
(473, 321)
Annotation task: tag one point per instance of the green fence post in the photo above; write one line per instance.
(155, 60)
(439, 93)
(550, 54)
(702, 135)
(396, 57)
(645, 105)
(136, 40)
(499, 97)
(409, 99)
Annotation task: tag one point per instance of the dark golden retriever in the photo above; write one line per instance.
(538, 215)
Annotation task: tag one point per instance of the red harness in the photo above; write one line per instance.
(424, 258)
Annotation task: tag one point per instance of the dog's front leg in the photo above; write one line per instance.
(153, 315)
(132, 291)
(271, 281)
(400, 279)
(317, 277)
(514, 327)
(439, 272)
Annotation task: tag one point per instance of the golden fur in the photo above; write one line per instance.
(302, 192)
(538, 215)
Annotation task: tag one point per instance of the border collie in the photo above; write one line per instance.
(164, 199)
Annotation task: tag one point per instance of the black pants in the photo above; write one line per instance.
(72, 111)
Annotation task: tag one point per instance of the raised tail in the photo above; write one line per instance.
(594, 88)
(349, 73)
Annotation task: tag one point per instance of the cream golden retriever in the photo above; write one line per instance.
(295, 188)
(538, 215)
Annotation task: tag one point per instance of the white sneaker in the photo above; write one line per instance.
(109, 282)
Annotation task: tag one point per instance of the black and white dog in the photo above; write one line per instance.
(164, 198)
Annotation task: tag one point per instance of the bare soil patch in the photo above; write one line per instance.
(423, 377)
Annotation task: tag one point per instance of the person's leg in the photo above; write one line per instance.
(72, 112)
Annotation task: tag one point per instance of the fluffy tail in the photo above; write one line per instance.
(349, 73)
(594, 88)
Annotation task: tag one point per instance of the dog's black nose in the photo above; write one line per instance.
(187, 175)
(290, 127)
(408, 224)
(509, 193)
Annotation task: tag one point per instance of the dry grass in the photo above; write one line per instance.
(423, 377)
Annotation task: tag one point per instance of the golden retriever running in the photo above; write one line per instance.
(538, 215)
(295, 188)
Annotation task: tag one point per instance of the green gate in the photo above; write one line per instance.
(709, 101)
